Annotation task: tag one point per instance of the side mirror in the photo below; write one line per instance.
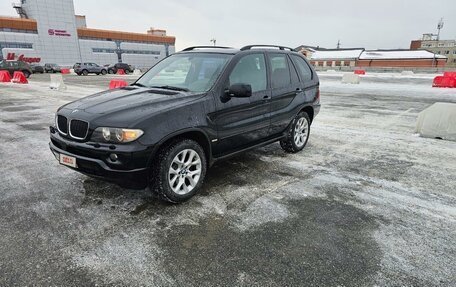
(237, 91)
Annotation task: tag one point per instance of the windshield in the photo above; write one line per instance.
(194, 72)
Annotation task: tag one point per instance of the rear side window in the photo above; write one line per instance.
(303, 68)
(280, 72)
(251, 70)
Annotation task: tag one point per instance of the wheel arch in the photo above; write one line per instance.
(195, 134)
(310, 112)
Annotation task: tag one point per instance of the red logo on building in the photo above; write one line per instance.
(54, 32)
(12, 57)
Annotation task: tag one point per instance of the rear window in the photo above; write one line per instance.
(303, 68)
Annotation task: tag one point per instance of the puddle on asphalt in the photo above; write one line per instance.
(35, 127)
(324, 243)
(19, 108)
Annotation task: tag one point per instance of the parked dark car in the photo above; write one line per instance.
(190, 110)
(37, 69)
(13, 66)
(114, 68)
(90, 68)
(52, 68)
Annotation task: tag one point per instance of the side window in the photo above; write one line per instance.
(303, 68)
(294, 73)
(280, 72)
(251, 70)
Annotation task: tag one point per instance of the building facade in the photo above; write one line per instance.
(446, 48)
(48, 31)
(359, 57)
(335, 57)
(400, 59)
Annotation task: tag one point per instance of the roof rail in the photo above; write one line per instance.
(268, 46)
(205, 47)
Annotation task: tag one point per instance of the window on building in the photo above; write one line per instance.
(16, 45)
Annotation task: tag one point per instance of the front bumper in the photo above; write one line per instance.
(130, 170)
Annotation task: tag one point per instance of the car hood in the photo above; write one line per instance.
(126, 106)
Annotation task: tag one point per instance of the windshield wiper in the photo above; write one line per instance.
(171, 88)
(139, 85)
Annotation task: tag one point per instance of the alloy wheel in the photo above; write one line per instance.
(301, 131)
(185, 171)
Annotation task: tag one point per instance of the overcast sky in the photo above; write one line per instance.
(357, 23)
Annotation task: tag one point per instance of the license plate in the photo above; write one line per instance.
(68, 160)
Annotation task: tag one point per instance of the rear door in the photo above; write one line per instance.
(242, 122)
(285, 88)
(308, 79)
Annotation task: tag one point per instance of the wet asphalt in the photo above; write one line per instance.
(367, 203)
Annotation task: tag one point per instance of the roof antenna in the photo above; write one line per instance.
(213, 40)
(439, 27)
(338, 44)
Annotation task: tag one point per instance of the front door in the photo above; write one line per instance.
(242, 122)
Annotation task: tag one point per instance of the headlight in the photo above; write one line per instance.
(115, 135)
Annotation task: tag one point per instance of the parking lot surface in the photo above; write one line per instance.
(366, 203)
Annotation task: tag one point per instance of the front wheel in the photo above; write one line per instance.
(103, 72)
(179, 171)
(298, 134)
(85, 72)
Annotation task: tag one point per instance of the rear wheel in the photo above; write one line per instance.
(297, 135)
(103, 72)
(179, 171)
(111, 71)
(85, 72)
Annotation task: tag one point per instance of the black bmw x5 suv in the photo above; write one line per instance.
(191, 109)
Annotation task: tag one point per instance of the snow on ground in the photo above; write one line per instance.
(366, 203)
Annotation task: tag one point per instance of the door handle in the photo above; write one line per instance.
(266, 97)
(298, 90)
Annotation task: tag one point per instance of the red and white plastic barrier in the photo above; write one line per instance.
(65, 71)
(19, 78)
(448, 80)
(360, 72)
(120, 72)
(114, 84)
(5, 77)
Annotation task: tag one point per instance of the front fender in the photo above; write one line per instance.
(177, 120)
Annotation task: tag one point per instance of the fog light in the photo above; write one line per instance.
(113, 157)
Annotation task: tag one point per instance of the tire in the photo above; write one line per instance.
(85, 72)
(170, 179)
(103, 72)
(110, 71)
(127, 72)
(297, 134)
(26, 74)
